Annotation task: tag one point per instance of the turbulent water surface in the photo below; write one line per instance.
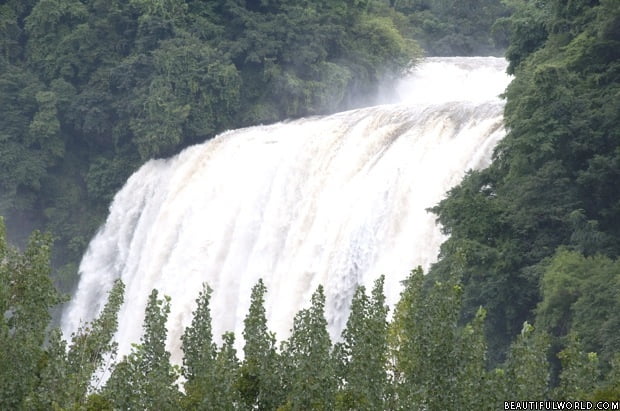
(335, 200)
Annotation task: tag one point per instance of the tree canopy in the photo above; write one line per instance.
(537, 233)
(420, 359)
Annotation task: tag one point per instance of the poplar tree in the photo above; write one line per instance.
(199, 355)
(309, 378)
(424, 339)
(224, 393)
(258, 382)
(405, 341)
(145, 379)
(92, 346)
(610, 388)
(361, 356)
(527, 368)
(474, 384)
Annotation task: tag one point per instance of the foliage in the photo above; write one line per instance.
(551, 186)
(424, 334)
(199, 354)
(435, 363)
(457, 28)
(308, 375)
(527, 27)
(527, 370)
(421, 359)
(145, 379)
(26, 295)
(362, 354)
(580, 371)
(258, 382)
(38, 369)
(210, 374)
(579, 296)
(225, 395)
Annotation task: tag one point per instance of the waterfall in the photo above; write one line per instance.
(335, 200)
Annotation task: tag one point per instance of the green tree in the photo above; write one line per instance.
(309, 379)
(405, 339)
(192, 94)
(145, 379)
(609, 389)
(474, 385)
(26, 297)
(68, 375)
(52, 390)
(22, 164)
(549, 185)
(199, 356)
(579, 296)
(362, 354)
(47, 27)
(259, 383)
(527, 370)
(10, 32)
(452, 27)
(37, 369)
(225, 395)
(580, 371)
(527, 29)
(424, 334)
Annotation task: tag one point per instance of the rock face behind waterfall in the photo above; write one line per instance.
(335, 200)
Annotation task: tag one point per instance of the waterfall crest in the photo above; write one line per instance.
(335, 200)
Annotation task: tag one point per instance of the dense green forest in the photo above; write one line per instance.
(457, 28)
(420, 359)
(91, 89)
(536, 236)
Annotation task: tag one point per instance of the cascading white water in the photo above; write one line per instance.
(335, 200)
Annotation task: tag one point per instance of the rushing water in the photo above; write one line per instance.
(335, 200)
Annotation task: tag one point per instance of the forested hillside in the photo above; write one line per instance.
(536, 236)
(457, 28)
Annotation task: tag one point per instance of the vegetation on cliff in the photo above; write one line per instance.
(537, 234)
